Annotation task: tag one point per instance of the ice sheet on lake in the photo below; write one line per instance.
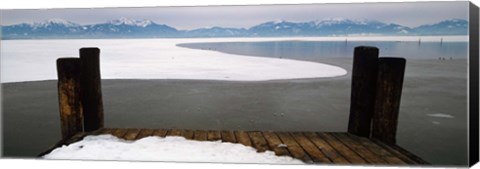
(154, 148)
(31, 60)
(440, 115)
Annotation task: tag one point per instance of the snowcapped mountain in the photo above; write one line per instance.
(129, 28)
(125, 21)
(54, 22)
(56, 27)
(119, 28)
(328, 27)
(216, 32)
(446, 27)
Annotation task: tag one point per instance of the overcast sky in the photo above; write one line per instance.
(408, 14)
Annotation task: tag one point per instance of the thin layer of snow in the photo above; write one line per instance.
(154, 148)
(53, 21)
(32, 60)
(440, 115)
(126, 21)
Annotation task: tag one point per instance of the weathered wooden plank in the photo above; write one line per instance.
(410, 155)
(243, 138)
(188, 134)
(342, 149)
(200, 135)
(160, 132)
(119, 133)
(404, 155)
(295, 149)
(326, 148)
(228, 136)
(98, 132)
(174, 132)
(275, 143)
(105, 131)
(258, 141)
(144, 133)
(214, 135)
(310, 148)
(387, 156)
(366, 154)
(131, 134)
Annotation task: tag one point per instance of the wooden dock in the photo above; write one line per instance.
(310, 147)
(370, 139)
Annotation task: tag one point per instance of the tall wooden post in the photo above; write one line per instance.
(389, 91)
(68, 71)
(364, 78)
(91, 89)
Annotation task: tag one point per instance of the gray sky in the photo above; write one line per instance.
(408, 14)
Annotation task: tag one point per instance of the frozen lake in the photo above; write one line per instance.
(33, 60)
(433, 107)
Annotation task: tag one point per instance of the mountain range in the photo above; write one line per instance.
(128, 28)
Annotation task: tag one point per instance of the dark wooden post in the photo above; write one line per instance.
(389, 91)
(68, 71)
(364, 78)
(91, 89)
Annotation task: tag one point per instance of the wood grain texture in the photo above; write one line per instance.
(200, 135)
(384, 154)
(188, 134)
(214, 135)
(294, 148)
(346, 152)
(258, 141)
(69, 96)
(160, 132)
(243, 138)
(228, 136)
(145, 133)
(310, 148)
(119, 133)
(275, 143)
(174, 132)
(326, 148)
(131, 134)
(363, 152)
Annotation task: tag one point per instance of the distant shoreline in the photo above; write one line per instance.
(446, 38)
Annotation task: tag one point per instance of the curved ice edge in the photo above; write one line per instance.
(162, 59)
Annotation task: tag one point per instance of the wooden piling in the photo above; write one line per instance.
(389, 90)
(364, 79)
(68, 71)
(91, 89)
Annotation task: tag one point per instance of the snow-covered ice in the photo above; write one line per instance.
(171, 148)
(32, 60)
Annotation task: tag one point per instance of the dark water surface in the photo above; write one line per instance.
(322, 49)
(431, 87)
